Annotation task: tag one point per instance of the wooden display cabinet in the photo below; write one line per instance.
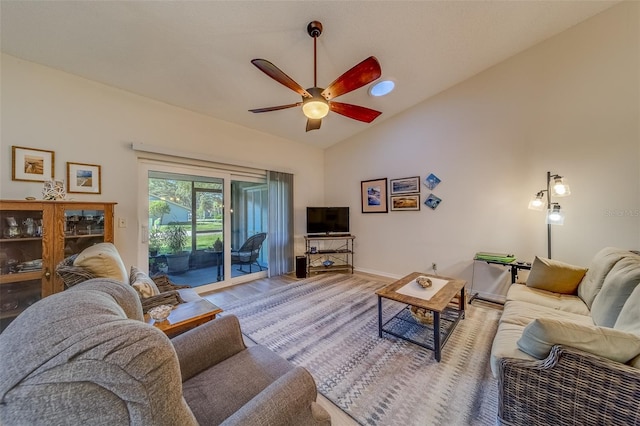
(37, 235)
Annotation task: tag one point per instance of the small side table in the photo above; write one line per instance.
(219, 260)
(514, 267)
(186, 316)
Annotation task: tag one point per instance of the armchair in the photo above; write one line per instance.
(84, 356)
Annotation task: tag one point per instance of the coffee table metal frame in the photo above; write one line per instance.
(445, 318)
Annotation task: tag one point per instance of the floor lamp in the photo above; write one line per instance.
(556, 187)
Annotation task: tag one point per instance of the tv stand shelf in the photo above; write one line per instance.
(337, 249)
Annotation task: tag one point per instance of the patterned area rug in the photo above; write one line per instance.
(328, 324)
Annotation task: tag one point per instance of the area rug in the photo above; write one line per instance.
(329, 325)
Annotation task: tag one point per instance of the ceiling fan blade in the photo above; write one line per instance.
(354, 111)
(363, 73)
(275, 108)
(313, 124)
(275, 73)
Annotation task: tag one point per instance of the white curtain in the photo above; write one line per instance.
(280, 238)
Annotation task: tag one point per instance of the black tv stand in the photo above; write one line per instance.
(335, 248)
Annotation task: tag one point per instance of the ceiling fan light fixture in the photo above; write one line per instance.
(382, 88)
(316, 106)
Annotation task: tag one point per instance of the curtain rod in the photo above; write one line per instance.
(154, 149)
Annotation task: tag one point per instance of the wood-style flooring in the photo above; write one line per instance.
(227, 295)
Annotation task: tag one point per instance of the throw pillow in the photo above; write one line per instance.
(618, 286)
(629, 318)
(143, 284)
(555, 276)
(104, 261)
(541, 334)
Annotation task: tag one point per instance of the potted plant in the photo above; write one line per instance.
(155, 241)
(217, 246)
(176, 239)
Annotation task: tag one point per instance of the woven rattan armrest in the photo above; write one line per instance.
(72, 275)
(171, 297)
(569, 387)
(164, 283)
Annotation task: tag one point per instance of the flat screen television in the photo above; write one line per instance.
(327, 220)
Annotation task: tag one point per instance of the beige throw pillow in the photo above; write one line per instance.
(555, 276)
(104, 261)
(143, 284)
(541, 334)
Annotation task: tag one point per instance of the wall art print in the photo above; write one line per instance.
(374, 195)
(404, 186)
(31, 164)
(432, 201)
(432, 181)
(84, 178)
(409, 202)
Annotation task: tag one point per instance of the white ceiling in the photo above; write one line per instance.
(196, 54)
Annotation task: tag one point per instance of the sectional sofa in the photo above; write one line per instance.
(567, 350)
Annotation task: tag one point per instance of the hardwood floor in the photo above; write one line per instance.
(249, 289)
(238, 292)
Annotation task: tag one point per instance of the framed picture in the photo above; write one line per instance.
(432, 201)
(431, 181)
(30, 164)
(404, 185)
(374, 196)
(84, 178)
(405, 202)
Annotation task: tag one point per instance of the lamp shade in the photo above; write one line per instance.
(555, 215)
(537, 202)
(315, 108)
(560, 187)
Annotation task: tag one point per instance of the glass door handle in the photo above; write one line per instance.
(47, 274)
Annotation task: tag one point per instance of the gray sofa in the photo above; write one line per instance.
(567, 350)
(84, 356)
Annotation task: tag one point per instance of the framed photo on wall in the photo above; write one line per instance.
(374, 196)
(405, 202)
(432, 201)
(84, 178)
(31, 164)
(405, 185)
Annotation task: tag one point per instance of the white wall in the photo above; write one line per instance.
(87, 122)
(569, 105)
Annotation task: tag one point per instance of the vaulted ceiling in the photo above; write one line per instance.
(196, 54)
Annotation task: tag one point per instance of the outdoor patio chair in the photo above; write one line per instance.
(249, 252)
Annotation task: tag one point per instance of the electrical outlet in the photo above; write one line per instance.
(122, 222)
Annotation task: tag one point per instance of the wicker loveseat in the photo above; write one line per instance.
(104, 261)
(571, 357)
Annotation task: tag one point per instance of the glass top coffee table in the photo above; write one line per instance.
(429, 316)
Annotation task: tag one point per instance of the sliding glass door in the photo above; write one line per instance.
(198, 224)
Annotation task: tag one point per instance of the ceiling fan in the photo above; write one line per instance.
(316, 101)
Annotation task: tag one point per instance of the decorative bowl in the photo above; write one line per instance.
(424, 282)
(422, 315)
(160, 313)
(327, 263)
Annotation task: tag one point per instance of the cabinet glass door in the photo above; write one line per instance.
(21, 261)
(82, 228)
